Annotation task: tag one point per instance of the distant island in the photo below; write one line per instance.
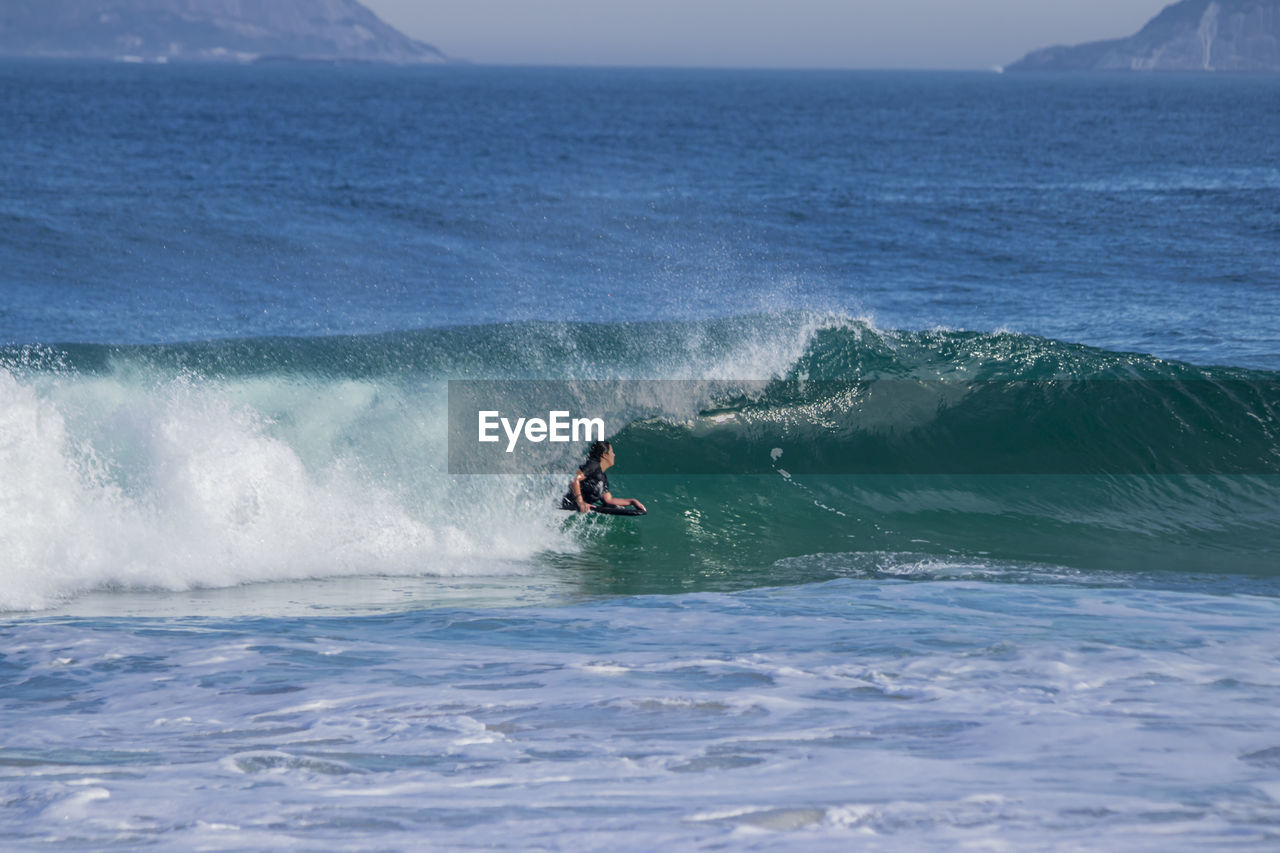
(205, 31)
(1192, 35)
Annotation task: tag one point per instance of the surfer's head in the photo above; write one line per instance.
(602, 452)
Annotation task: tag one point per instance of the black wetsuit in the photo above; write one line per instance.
(595, 483)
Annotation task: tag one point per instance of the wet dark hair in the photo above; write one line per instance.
(599, 449)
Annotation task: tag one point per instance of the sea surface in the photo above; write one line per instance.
(244, 604)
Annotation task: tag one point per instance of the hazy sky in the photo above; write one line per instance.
(761, 33)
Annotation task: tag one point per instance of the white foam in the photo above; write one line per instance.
(127, 481)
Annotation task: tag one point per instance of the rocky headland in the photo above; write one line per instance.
(205, 31)
(1191, 35)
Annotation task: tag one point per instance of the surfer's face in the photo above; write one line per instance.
(606, 458)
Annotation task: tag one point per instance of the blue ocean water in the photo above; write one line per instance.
(244, 604)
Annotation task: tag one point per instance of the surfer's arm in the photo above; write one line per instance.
(612, 501)
(575, 489)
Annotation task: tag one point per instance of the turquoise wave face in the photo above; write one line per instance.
(213, 464)
(712, 532)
